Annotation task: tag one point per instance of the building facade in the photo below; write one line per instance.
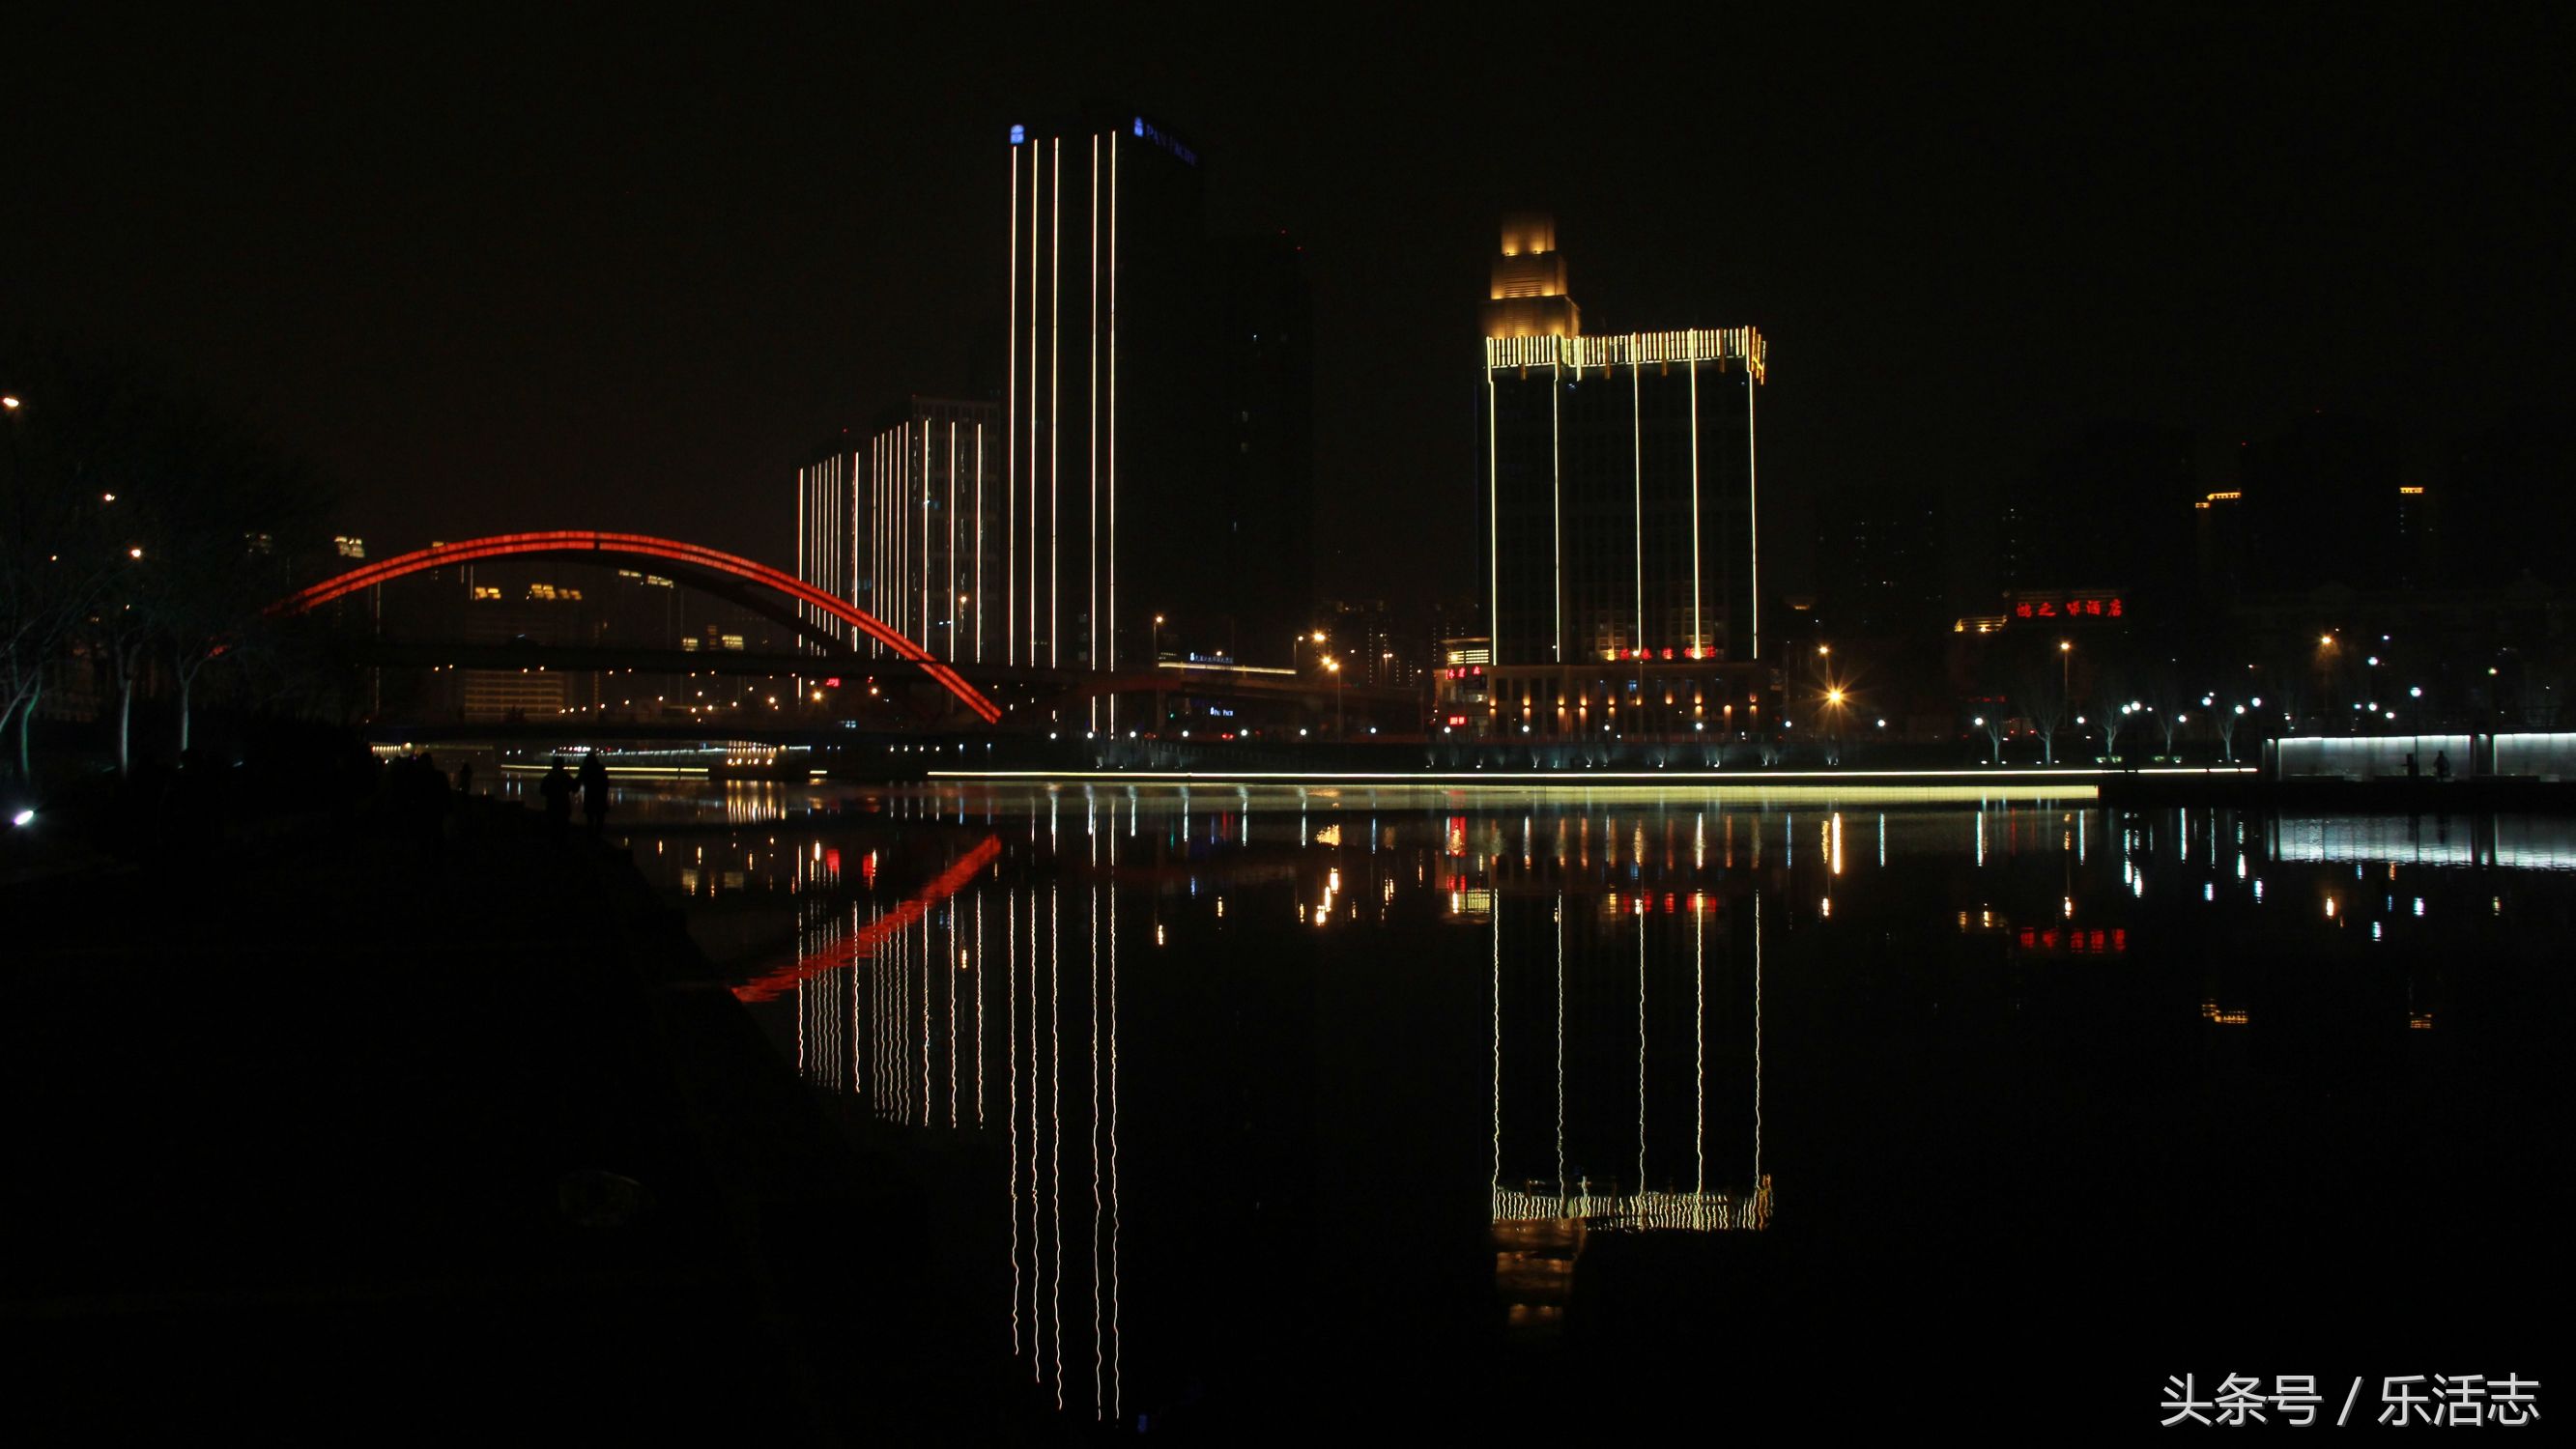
(910, 523)
(1623, 576)
(1141, 475)
(1156, 410)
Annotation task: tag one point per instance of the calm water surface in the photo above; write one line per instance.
(1234, 1108)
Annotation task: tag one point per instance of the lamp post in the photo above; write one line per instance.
(1155, 646)
(2066, 670)
(1333, 667)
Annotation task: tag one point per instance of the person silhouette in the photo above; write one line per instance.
(557, 788)
(594, 790)
(465, 778)
(2442, 765)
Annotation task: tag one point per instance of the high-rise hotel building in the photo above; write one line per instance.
(1156, 402)
(1147, 449)
(1623, 575)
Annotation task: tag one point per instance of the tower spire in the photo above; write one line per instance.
(1528, 297)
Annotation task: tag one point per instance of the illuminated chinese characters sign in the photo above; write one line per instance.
(2069, 606)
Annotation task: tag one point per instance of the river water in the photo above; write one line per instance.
(1258, 1106)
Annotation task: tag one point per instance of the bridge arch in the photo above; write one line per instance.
(583, 545)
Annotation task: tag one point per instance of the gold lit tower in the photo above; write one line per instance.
(1528, 296)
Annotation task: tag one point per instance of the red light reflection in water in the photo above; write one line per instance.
(863, 943)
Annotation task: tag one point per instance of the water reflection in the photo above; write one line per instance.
(1174, 1022)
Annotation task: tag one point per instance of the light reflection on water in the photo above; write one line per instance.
(1095, 982)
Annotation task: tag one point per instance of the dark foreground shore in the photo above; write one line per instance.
(419, 1130)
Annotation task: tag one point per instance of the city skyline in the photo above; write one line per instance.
(518, 299)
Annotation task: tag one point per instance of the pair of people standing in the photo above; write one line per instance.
(558, 788)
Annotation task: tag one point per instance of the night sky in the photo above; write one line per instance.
(620, 273)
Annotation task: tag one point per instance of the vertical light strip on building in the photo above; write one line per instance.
(1637, 458)
(899, 511)
(1752, 505)
(824, 538)
(841, 507)
(1055, 402)
(890, 587)
(851, 536)
(876, 570)
(804, 558)
(876, 554)
(1010, 431)
(1555, 508)
(928, 617)
(978, 584)
(1699, 621)
(948, 602)
(1091, 441)
(1113, 485)
(1034, 181)
(1493, 537)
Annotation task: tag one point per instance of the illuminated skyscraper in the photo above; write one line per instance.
(1623, 574)
(1155, 410)
(1145, 450)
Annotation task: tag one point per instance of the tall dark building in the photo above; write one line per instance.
(1623, 577)
(2330, 500)
(1264, 470)
(1881, 569)
(2107, 511)
(1155, 410)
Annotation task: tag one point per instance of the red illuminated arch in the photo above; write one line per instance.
(643, 548)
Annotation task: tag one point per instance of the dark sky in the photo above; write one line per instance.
(624, 273)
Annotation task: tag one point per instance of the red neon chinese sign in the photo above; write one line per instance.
(2110, 607)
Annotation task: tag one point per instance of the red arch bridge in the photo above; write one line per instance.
(755, 585)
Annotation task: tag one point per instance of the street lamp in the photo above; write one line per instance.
(1334, 668)
(1156, 648)
(2066, 668)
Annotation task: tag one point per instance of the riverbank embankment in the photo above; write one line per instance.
(410, 1121)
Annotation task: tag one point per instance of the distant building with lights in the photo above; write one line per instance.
(1623, 569)
(911, 522)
